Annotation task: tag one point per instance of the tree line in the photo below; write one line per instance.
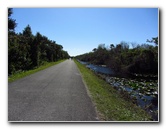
(141, 59)
(27, 51)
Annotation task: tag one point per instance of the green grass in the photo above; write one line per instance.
(26, 73)
(111, 106)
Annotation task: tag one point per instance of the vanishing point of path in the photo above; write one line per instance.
(54, 94)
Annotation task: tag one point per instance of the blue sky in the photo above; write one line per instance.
(80, 30)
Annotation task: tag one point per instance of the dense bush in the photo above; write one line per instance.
(27, 51)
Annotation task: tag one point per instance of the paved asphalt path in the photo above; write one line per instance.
(54, 94)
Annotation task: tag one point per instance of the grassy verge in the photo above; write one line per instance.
(26, 73)
(110, 104)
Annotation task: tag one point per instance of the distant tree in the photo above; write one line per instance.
(124, 45)
(118, 48)
(133, 44)
(94, 49)
(153, 40)
(112, 46)
(27, 32)
(101, 46)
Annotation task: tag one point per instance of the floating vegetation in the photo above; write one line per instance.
(143, 93)
(140, 89)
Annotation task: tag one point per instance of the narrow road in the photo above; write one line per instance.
(54, 94)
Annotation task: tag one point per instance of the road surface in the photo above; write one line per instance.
(54, 94)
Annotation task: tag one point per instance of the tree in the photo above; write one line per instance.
(12, 43)
(27, 40)
(94, 49)
(27, 32)
(11, 22)
(118, 48)
(112, 46)
(133, 44)
(153, 40)
(124, 45)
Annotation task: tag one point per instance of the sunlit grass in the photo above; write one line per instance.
(110, 104)
(26, 73)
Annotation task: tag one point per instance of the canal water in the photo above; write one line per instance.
(148, 102)
(98, 69)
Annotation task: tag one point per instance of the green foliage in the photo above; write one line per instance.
(153, 40)
(27, 51)
(140, 59)
(11, 22)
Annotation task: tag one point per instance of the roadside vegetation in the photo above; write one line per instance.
(137, 59)
(27, 52)
(111, 105)
(22, 74)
